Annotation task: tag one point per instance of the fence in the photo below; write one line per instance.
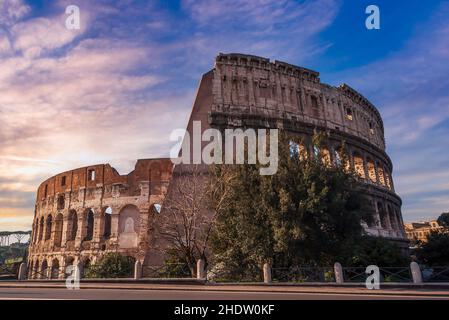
(169, 270)
(303, 274)
(435, 274)
(387, 274)
(7, 271)
(219, 273)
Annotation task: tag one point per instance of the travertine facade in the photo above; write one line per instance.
(244, 91)
(83, 213)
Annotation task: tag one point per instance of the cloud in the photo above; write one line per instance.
(411, 89)
(276, 29)
(12, 11)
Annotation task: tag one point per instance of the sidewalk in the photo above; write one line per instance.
(309, 288)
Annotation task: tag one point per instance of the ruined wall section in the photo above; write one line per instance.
(256, 86)
(253, 92)
(83, 213)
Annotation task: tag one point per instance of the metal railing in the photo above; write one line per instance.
(218, 273)
(7, 271)
(435, 274)
(303, 274)
(38, 275)
(168, 270)
(387, 274)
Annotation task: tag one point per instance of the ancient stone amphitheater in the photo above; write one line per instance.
(83, 213)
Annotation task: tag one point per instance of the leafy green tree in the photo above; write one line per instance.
(435, 252)
(111, 265)
(443, 220)
(309, 212)
(375, 251)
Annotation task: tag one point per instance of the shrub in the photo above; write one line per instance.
(111, 265)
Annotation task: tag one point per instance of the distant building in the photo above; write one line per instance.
(420, 230)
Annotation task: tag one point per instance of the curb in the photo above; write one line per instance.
(221, 288)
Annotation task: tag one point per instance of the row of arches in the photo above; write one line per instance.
(389, 217)
(52, 228)
(364, 166)
(52, 268)
(60, 268)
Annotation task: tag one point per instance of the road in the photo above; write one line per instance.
(126, 294)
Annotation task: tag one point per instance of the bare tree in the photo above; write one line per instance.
(196, 196)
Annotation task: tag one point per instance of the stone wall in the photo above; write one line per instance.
(83, 213)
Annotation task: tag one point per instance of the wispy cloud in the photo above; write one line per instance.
(411, 89)
(12, 11)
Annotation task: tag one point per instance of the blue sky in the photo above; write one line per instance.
(115, 89)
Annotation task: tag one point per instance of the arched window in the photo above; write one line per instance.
(55, 269)
(72, 225)
(90, 225)
(155, 176)
(58, 229)
(383, 216)
(36, 269)
(387, 180)
(358, 166)
(316, 151)
(371, 171)
(61, 202)
(48, 226)
(294, 148)
(69, 262)
(41, 229)
(380, 173)
(303, 154)
(107, 222)
(35, 231)
(44, 270)
(157, 208)
(325, 157)
(392, 216)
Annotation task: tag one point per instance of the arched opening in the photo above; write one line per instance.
(392, 216)
(30, 269)
(35, 231)
(155, 178)
(36, 269)
(399, 219)
(129, 227)
(48, 226)
(380, 173)
(86, 264)
(72, 225)
(44, 270)
(61, 202)
(303, 154)
(316, 151)
(371, 170)
(325, 156)
(69, 262)
(383, 216)
(358, 165)
(157, 208)
(107, 215)
(387, 180)
(90, 225)
(59, 221)
(41, 229)
(55, 269)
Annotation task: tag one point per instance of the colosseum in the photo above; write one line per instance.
(84, 213)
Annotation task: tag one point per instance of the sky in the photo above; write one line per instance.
(112, 91)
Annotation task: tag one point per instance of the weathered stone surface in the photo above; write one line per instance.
(84, 213)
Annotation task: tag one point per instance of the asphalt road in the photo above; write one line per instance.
(127, 294)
